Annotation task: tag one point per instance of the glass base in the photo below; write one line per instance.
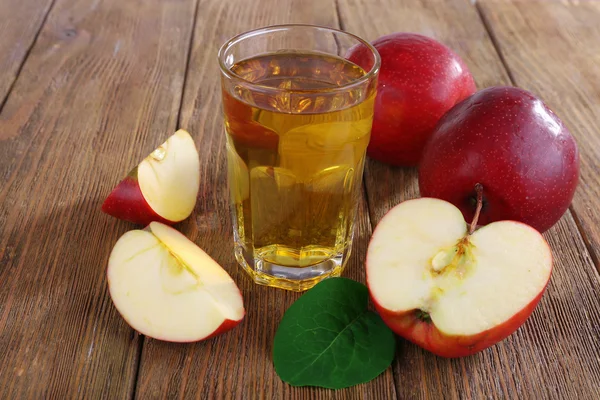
(297, 279)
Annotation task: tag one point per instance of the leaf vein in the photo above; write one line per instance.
(330, 344)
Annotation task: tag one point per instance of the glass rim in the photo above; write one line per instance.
(275, 28)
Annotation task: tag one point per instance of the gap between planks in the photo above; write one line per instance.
(142, 339)
(26, 56)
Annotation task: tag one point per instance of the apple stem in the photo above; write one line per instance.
(479, 191)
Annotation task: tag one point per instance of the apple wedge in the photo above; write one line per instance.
(451, 289)
(163, 187)
(167, 288)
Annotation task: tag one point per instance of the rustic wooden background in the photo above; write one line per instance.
(89, 87)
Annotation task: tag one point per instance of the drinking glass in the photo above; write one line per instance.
(298, 118)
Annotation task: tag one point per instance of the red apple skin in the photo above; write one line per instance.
(227, 325)
(224, 327)
(515, 146)
(425, 334)
(420, 79)
(127, 202)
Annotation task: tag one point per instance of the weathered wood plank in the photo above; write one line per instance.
(555, 354)
(20, 23)
(552, 48)
(100, 89)
(237, 364)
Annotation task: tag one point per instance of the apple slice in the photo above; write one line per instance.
(452, 290)
(163, 187)
(167, 288)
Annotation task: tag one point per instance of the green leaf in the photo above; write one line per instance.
(328, 338)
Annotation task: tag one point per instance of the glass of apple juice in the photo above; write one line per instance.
(298, 119)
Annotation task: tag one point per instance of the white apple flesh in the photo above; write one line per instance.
(163, 187)
(167, 288)
(449, 290)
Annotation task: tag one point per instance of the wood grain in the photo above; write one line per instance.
(20, 22)
(555, 354)
(552, 48)
(237, 364)
(100, 89)
(103, 85)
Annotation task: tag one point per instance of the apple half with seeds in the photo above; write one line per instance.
(167, 288)
(449, 288)
(163, 187)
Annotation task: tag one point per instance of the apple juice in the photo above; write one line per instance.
(295, 148)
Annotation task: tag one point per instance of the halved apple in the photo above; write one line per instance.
(163, 187)
(453, 290)
(167, 288)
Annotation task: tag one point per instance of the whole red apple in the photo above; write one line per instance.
(509, 141)
(420, 79)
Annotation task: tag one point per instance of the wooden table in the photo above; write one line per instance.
(89, 87)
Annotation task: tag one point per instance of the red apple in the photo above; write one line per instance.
(515, 146)
(163, 187)
(242, 127)
(167, 288)
(449, 288)
(420, 79)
